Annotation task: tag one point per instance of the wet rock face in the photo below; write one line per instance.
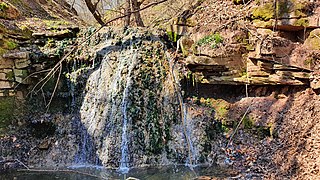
(129, 103)
(129, 111)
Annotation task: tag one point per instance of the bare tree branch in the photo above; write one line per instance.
(141, 9)
(93, 9)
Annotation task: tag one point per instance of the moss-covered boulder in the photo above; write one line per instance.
(313, 41)
(295, 13)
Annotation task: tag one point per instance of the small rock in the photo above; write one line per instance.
(22, 63)
(203, 178)
(6, 85)
(44, 145)
(17, 55)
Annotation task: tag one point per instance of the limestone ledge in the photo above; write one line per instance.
(255, 72)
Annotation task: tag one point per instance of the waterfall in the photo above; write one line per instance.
(124, 165)
(130, 110)
(193, 154)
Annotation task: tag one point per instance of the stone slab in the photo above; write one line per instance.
(20, 73)
(6, 63)
(6, 85)
(22, 63)
(16, 55)
(3, 77)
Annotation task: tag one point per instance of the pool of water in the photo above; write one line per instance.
(94, 173)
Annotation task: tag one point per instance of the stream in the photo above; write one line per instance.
(96, 172)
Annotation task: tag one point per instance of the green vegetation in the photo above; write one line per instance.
(213, 39)
(3, 6)
(173, 36)
(313, 41)
(10, 76)
(265, 12)
(220, 107)
(10, 45)
(302, 22)
(2, 51)
(6, 112)
(54, 24)
(248, 122)
(26, 31)
(299, 8)
(284, 7)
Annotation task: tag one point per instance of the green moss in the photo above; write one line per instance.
(309, 61)
(265, 12)
(55, 24)
(248, 122)
(10, 76)
(3, 6)
(298, 9)
(173, 36)
(302, 22)
(283, 8)
(10, 45)
(313, 41)
(26, 31)
(263, 24)
(2, 51)
(6, 112)
(213, 40)
(220, 107)
(264, 132)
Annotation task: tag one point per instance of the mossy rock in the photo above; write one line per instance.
(10, 76)
(313, 41)
(283, 9)
(10, 45)
(263, 24)
(265, 12)
(302, 22)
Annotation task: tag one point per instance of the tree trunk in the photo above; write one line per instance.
(136, 7)
(128, 13)
(93, 9)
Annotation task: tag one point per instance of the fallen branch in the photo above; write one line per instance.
(235, 131)
(22, 164)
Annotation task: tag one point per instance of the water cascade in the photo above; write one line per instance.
(130, 107)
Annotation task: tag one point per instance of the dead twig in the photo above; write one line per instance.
(38, 72)
(235, 131)
(55, 88)
(22, 164)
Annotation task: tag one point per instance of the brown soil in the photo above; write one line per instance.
(293, 149)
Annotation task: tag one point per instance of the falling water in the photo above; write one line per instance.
(86, 153)
(124, 163)
(191, 160)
